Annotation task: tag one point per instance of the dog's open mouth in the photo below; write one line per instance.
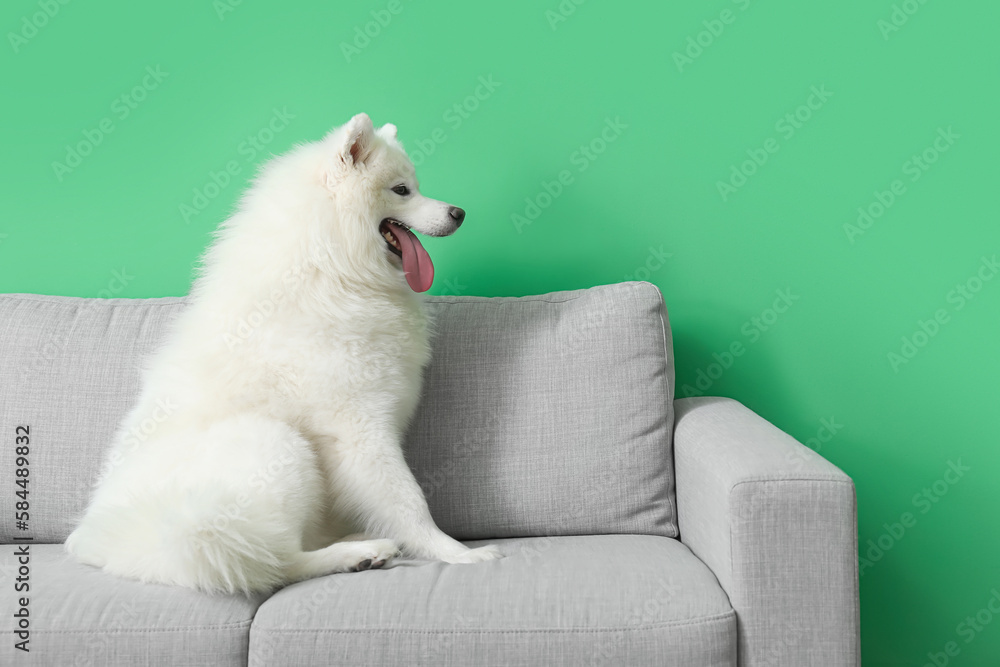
(416, 262)
(389, 237)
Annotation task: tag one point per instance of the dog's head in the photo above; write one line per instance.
(375, 187)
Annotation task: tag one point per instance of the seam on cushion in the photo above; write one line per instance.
(58, 300)
(538, 297)
(661, 308)
(516, 300)
(756, 480)
(224, 626)
(705, 620)
(513, 300)
(766, 479)
(857, 578)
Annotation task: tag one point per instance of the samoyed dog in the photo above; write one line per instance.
(283, 390)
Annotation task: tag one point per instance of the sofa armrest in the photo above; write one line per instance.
(777, 523)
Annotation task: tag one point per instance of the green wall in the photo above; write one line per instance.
(721, 150)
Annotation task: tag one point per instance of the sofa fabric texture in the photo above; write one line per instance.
(777, 524)
(69, 371)
(547, 426)
(82, 617)
(548, 415)
(589, 600)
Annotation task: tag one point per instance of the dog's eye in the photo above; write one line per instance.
(401, 190)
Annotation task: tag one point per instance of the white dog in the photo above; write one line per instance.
(284, 389)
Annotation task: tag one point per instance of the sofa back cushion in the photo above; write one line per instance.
(541, 415)
(69, 371)
(549, 415)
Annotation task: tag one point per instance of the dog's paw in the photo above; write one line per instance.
(373, 554)
(480, 555)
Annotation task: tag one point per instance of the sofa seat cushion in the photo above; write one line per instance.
(588, 600)
(81, 616)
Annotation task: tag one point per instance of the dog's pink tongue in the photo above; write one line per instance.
(416, 262)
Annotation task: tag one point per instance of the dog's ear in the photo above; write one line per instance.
(388, 131)
(354, 143)
(358, 137)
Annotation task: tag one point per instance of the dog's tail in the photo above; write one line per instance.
(230, 552)
(231, 521)
(196, 544)
(234, 553)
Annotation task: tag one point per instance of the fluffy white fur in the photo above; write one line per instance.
(269, 424)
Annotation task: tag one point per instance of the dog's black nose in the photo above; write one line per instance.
(457, 214)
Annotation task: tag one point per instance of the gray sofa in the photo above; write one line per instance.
(638, 530)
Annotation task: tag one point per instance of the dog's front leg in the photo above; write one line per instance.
(371, 482)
